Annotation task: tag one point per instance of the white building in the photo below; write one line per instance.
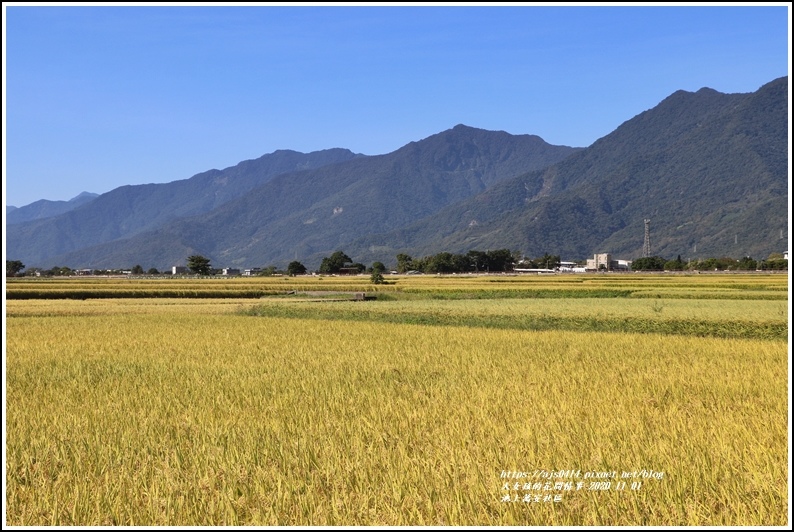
(621, 265)
(604, 261)
(600, 261)
(566, 266)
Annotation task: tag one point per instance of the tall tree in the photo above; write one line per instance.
(334, 263)
(295, 268)
(404, 263)
(199, 264)
(13, 267)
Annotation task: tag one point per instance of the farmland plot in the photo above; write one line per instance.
(412, 411)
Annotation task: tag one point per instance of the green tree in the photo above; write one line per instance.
(460, 263)
(674, 265)
(478, 260)
(59, 270)
(440, 263)
(13, 267)
(648, 264)
(404, 263)
(198, 264)
(746, 263)
(706, 264)
(153, 271)
(137, 270)
(727, 263)
(334, 263)
(268, 271)
(377, 273)
(500, 260)
(775, 261)
(295, 268)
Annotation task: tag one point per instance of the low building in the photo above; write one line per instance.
(230, 271)
(605, 262)
(600, 261)
(252, 271)
(567, 266)
(179, 270)
(621, 265)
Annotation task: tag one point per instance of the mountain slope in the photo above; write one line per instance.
(134, 209)
(302, 213)
(709, 170)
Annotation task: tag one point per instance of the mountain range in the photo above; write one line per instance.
(710, 170)
(45, 208)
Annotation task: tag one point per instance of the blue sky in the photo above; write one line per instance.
(100, 97)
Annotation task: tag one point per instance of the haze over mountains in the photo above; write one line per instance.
(45, 208)
(709, 169)
(129, 210)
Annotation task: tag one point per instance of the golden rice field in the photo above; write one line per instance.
(625, 400)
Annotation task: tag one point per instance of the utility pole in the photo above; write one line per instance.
(646, 246)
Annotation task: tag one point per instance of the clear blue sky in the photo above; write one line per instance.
(99, 97)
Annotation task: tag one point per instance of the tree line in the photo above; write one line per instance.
(500, 260)
(15, 268)
(774, 262)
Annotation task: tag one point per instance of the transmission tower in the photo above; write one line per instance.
(646, 246)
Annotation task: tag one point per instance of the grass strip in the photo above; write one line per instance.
(772, 330)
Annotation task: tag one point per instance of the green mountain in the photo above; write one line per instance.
(304, 213)
(708, 169)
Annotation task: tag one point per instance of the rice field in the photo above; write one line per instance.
(626, 400)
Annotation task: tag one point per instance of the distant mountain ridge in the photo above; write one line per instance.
(45, 208)
(300, 213)
(134, 209)
(709, 169)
